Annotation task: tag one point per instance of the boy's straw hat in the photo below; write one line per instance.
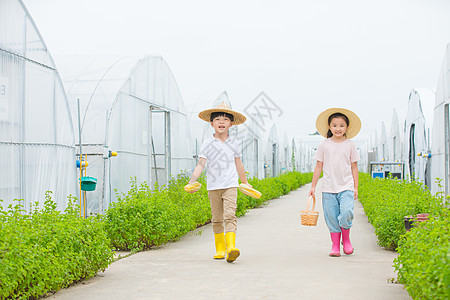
(222, 107)
(354, 122)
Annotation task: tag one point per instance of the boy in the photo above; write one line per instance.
(224, 165)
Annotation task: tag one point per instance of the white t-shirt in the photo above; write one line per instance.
(337, 159)
(221, 168)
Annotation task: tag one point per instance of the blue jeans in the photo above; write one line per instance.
(338, 210)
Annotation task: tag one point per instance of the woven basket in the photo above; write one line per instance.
(309, 217)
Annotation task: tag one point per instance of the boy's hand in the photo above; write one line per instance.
(247, 184)
(193, 187)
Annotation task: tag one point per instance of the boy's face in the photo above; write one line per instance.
(338, 127)
(221, 124)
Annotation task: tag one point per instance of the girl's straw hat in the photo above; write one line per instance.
(222, 107)
(354, 122)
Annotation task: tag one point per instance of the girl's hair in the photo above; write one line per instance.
(220, 114)
(336, 115)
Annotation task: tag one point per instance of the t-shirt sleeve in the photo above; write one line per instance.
(203, 149)
(319, 152)
(354, 155)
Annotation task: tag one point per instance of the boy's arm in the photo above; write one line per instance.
(240, 170)
(316, 176)
(198, 170)
(355, 177)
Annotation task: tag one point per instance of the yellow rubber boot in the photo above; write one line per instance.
(232, 251)
(220, 245)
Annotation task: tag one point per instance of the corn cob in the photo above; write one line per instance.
(247, 190)
(193, 187)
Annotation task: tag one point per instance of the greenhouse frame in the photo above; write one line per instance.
(129, 106)
(37, 152)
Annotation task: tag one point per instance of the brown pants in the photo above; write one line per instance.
(223, 208)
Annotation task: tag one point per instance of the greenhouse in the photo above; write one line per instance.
(272, 154)
(362, 146)
(252, 150)
(296, 155)
(286, 155)
(308, 146)
(383, 150)
(395, 139)
(373, 146)
(416, 137)
(37, 152)
(440, 156)
(130, 107)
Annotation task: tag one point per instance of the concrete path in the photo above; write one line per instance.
(280, 259)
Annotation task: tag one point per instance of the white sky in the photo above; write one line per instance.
(305, 55)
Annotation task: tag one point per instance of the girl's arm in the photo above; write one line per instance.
(355, 177)
(198, 170)
(316, 176)
(241, 170)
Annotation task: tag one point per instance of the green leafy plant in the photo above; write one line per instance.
(47, 250)
(424, 252)
(387, 201)
(143, 217)
(424, 259)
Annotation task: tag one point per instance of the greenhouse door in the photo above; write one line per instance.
(412, 152)
(160, 143)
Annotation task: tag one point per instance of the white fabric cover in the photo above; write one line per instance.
(132, 106)
(416, 134)
(440, 134)
(37, 151)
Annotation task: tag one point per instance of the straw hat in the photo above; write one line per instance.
(222, 107)
(354, 122)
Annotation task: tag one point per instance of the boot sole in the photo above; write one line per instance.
(233, 255)
(334, 254)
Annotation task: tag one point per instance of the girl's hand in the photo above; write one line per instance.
(355, 194)
(312, 193)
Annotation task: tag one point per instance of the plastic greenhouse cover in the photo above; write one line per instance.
(37, 151)
(132, 106)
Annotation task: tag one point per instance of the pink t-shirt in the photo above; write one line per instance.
(337, 159)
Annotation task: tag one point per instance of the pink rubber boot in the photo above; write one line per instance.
(336, 247)
(348, 248)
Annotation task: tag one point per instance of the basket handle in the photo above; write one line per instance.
(309, 201)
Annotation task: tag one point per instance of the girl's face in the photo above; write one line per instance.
(338, 127)
(221, 124)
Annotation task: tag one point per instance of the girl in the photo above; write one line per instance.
(337, 157)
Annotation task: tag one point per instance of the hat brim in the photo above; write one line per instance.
(238, 118)
(354, 122)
